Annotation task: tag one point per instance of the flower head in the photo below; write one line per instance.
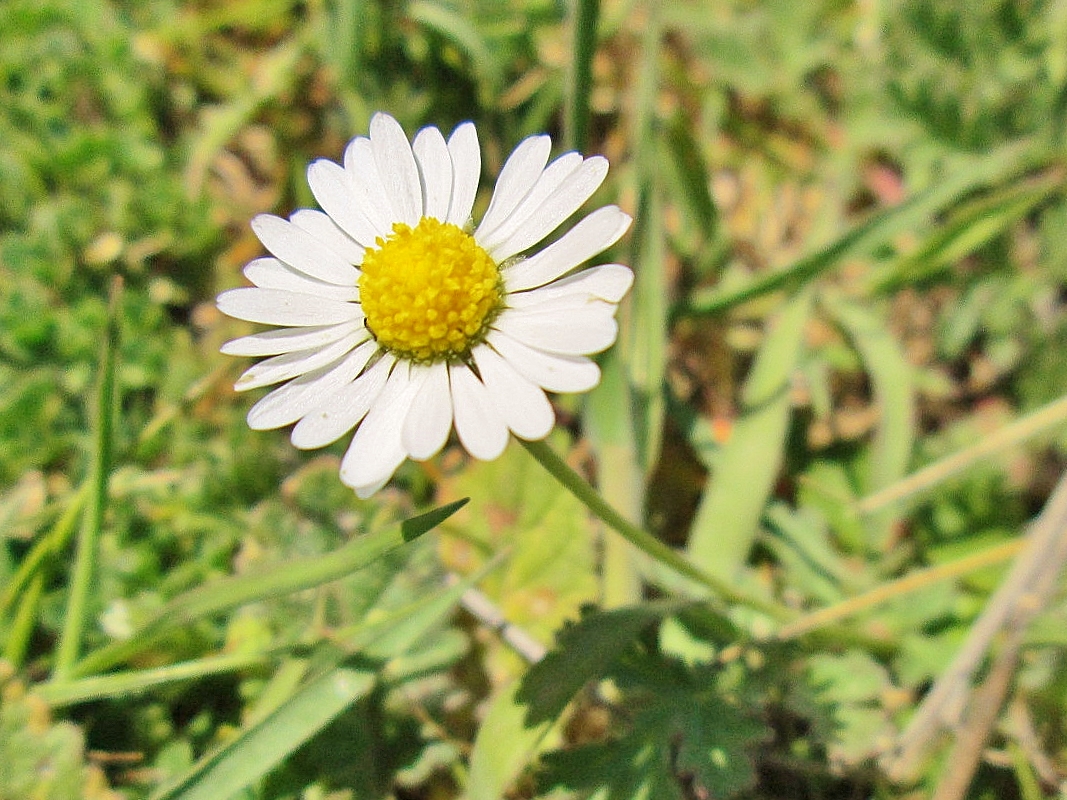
(396, 317)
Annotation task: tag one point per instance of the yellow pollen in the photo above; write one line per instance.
(429, 292)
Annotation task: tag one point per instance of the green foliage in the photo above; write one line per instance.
(41, 758)
(980, 76)
(850, 274)
(683, 733)
(91, 187)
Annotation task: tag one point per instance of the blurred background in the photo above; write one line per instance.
(851, 265)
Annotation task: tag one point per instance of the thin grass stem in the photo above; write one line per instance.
(87, 546)
(585, 14)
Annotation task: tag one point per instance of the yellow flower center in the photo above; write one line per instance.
(429, 292)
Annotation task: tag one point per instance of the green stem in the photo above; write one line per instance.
(585, 14)
(89, 534)
(641, 539)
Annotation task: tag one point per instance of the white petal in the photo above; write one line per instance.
(594, 233)
(397, 168)
(552, 372)
(337, 414)
(576, 334)
(277, 307)
(608, 282)
(426, 427)
(550, 214)
(302, 251)
(466, 172)
(289, 365)
(518, 175)
(270, 273)
(481, 429)
(333, 190)
(290, 402)
(520, 402)
(287, 340)
(435, 169)
(550, 180)
(376, 450)
(327, 231)
(560, 305)
(368, 191)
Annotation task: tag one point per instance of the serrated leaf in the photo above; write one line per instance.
(849, 712)
(684, 740)
(584, 652)
(628, 769)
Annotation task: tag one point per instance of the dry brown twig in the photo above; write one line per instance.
(953, 702)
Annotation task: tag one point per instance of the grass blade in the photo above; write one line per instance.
(265, 744)
(89, 535)
(894, 394)
(860, 240)
(126, 684)
(228, 593)
(918, 483)
(46, 548)
(971, 225)
(458, 29)
(505, 744)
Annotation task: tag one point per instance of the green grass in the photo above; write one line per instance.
(834, 413)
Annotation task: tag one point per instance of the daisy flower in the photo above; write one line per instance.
(398, 318)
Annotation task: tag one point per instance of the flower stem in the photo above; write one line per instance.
(639, 538)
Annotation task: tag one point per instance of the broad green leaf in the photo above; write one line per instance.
(523, 713)
(745, 471)
(849, 691)
(506, 743)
